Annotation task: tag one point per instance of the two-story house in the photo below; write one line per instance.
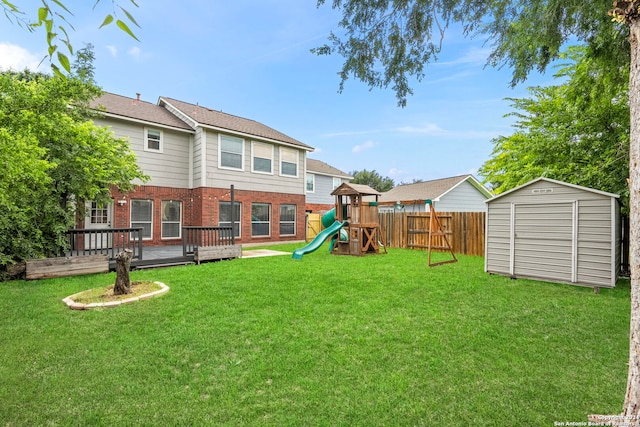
(322, 179)
(193, 156)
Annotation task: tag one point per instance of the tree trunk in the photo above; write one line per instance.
(123, 263)
(631, 410)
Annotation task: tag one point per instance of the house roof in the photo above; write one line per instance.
(130, 108)
(431, 190)
(591, 190)
(316, 166)
(351, 189)
(230, 123)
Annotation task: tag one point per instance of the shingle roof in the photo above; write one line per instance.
(349, 189)
(219, 120)
(428, 189)
(131, 108)
(322, 168)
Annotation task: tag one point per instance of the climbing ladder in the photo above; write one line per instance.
(436, 230)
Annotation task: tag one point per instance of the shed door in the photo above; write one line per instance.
(543, 241)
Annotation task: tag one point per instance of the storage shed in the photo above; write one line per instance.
(554, 231)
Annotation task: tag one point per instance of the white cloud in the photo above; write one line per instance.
(135, 52)
(427, 129)
(362, 147)
(113, 50)
(14, 57)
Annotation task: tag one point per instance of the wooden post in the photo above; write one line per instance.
(123, 264)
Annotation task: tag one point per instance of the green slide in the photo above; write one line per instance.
(319, 239)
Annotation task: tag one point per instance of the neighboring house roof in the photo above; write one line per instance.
(351, 189)
(321, 168)
(603, 193)
(432, 190)
(135, 109)
(226, 122)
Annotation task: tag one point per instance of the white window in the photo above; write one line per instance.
(311, 183)
(225, 215)
(171, 219)
(152, 140)
(261, 157)
(231, 152)
(287, 220)
(336, 183)
(260, 219)
(288, 162)
(142, 217)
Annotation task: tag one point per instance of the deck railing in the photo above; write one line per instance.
(110, 241)
(193, 237)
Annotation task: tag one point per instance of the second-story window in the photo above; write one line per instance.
(152, 140)
(231, 154)
(262, 157)
(288, 162)
(311, 181)
(336, 182)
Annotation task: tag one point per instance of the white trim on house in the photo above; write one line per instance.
(143, 122)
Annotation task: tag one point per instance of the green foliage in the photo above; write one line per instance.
(386, 43)
(577, 131)
(327, 341)
(55, 17)
(373, 179)
(52, 155)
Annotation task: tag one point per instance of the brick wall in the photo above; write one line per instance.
(318, 208)
(200, 207)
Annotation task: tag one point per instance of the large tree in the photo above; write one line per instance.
(53, 157)
(373, 179)
(576, 131)
(387, 42)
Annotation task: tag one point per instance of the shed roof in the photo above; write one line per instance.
(131, 108)
(230, 123)
(432, 190)
(347, 189)
(579, 187)
(322, 168)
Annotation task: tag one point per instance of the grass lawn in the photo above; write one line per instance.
(324, 341)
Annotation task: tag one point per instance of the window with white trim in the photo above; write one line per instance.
(336, 182)
(311, 183)
(225, 216)
(261, 157)
(142, 217)
(171, 219)
(230, 152)
(289, 161)
(260, 219)
(287, 220)
(153, 140)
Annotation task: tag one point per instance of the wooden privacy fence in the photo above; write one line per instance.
(464, 230)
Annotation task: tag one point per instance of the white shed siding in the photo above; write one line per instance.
(554, 231)
(463, 198)
(247, 180)
(169, 168)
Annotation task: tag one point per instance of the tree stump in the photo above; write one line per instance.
(123, 264)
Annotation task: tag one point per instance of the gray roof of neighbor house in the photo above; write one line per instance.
(431, 190)
(228, 122)
(316, 166)
(135, 109)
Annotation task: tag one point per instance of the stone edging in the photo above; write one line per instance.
(79, 306)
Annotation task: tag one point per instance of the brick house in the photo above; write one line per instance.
(193, 156)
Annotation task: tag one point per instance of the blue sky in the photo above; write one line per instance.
(252, 59)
